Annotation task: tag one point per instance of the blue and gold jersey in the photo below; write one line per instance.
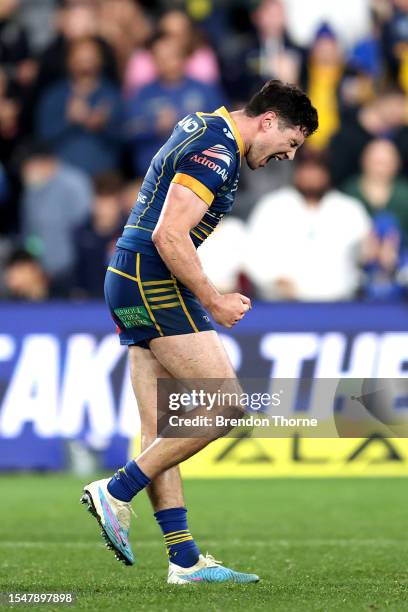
(204, 154)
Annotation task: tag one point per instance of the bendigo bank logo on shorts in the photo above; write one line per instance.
(217, 152)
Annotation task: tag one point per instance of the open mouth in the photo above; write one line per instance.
(276, 157)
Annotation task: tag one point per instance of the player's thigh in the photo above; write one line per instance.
(196, 355)
(145, 369)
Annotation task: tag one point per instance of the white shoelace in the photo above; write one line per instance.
(211, 562)
(123, 515)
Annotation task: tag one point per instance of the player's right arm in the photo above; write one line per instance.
(182, 211)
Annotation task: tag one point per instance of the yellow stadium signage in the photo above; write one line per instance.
(264, 458)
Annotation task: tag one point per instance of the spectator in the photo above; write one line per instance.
(395, 42)
(95, 240)
(210, 16)
(270, 53)
(382, 117)
(365, 56)
(10, 129)
(201, 63)
(76, 108)
(38, 19)
(15, 58)
(387, 261)
(349, 20)
(253, 186)
(324, 71)
(25, 279)
(378, 186)
(11, 132)
(129, 195)
(152, 113)
(81, 116)
(305, 241)
(56, 199)
(74, 21)
(124, 25)
(363, 71)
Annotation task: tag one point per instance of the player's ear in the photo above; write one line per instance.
(268, 119)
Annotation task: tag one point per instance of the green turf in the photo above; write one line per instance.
(318, 544)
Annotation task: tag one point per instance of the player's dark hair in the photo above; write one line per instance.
(290, 103)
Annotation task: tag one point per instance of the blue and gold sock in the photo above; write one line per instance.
(180, 545)
(127, 481)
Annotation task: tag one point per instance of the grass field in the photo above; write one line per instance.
(318, 544)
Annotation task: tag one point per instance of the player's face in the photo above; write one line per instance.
(273, 141)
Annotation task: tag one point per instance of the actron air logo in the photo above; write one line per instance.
(204, 161)
(220, 152)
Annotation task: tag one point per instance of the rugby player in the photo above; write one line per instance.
(160, 300)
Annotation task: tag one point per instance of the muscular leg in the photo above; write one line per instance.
(199, 355)
(165, 491)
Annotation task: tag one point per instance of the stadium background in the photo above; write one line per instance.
(63, 204)
(89, 90)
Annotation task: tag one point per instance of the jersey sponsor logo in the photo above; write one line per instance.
(188, 124)
(204, 161)
(220, 152)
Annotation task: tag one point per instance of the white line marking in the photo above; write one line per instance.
(234, 542)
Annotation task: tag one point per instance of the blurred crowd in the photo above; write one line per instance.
(90, 90)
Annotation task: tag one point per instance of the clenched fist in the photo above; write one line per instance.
(228, 309)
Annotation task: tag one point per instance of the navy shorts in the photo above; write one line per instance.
(146, 301)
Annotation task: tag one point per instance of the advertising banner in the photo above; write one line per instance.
(64, 386)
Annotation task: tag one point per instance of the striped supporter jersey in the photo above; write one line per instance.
(204, 154)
